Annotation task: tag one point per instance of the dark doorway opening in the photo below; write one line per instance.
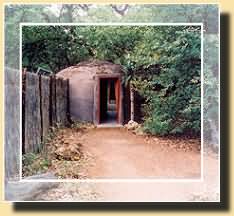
(109, 100)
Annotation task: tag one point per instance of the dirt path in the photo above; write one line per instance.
(118, 153)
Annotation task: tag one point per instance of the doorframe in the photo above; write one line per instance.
(96, 110)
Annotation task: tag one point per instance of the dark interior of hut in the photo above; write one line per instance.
(109, 94)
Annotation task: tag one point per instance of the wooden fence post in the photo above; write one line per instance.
(65, 86)
(23, 110)
(53, 119)
(32, 114)
(45, 105)
(61, 101)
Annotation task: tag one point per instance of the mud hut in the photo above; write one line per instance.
(96, 92)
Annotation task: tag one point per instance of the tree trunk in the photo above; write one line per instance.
(132, 101)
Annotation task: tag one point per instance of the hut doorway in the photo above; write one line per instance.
(109, 98)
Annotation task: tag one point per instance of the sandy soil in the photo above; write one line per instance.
(118, 153)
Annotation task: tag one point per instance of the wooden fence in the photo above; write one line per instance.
(45, 103)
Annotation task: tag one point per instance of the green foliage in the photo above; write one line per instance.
(34, 164)
(207, 14)
(61, 46)
(161, 62)
(172, 89)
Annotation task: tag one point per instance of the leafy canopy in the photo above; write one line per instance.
(162, 62)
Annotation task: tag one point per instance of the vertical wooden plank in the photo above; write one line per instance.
(61, 101)
(32, 114)
(45, 105)
(58, 100)
(23, 111)
(12, 123)
(53, 119)
(65, 100)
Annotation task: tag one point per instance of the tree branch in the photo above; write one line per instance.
(120, 9)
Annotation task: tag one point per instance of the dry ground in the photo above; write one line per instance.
(114, 153)
(118, 153)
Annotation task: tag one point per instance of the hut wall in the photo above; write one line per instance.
(84, 88)
(81, 98)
